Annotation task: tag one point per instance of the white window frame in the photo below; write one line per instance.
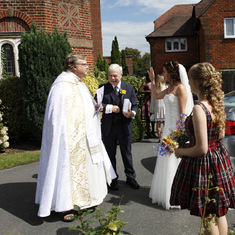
(175, 40)
(14, 43)
(225, 27)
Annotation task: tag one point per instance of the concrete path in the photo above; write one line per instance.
(18, 213)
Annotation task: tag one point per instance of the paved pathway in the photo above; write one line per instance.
(18, 211)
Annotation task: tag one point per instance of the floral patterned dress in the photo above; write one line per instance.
(145, 109)
(191, 179)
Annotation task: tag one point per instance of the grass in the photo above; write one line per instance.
(15, 159)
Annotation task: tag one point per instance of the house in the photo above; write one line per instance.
(193, 33)
(81, 20)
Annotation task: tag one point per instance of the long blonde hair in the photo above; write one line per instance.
(210, 84)
(159, 82)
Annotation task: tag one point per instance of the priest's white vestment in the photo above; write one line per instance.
(74, 166)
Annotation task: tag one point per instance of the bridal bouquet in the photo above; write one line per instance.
(174, 139)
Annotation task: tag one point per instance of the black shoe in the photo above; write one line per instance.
(114, 185)
(132, 183)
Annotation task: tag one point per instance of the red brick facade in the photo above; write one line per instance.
(204, 33)
(81, 22)
(215, 48)
(159, 56)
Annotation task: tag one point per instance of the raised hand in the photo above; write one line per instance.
(151, 75)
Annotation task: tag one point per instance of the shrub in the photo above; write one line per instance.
(91, 82)
(101, 76)
(3, 133)
(41, 60)
(137, 123)
(11, 96)
(109, 223)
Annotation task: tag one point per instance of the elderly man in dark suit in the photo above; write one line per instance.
(117, 125)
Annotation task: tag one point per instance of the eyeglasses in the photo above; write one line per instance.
(83, 64)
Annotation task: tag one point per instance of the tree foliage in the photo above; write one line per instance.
(11, 95)
(101, 66)
(99, 62)
(3, 63)
(140, 63)
(124, 64)
(115, 53)
(41, 60)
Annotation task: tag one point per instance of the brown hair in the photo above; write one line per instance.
(172, 67)
(71, 60)
(210, 84)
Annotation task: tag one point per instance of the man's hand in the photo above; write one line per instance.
(115, 109)
(130, 114)
(100, 107)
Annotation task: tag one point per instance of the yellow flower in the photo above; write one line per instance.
(123, 92)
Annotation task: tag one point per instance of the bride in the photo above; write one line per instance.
(178, 99)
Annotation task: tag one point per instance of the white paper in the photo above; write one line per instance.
(126, 105)
(100, 94)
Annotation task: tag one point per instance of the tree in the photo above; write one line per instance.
(3, 63)
(144, 64)
(106, 67)
(41, 59)
(99, 62)
(135, 53)
(140, 64)
(124, 64)
(115, 53)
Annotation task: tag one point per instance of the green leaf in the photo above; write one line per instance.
(112, 226)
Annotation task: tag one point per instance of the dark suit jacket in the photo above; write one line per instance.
(110, 98)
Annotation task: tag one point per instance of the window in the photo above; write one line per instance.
(9, 59)
(176, 44)
(229, 27)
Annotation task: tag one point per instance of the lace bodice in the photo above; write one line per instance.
(172, 113)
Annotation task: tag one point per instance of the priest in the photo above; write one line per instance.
(74, 166)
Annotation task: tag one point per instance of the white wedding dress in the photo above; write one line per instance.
(166, 166)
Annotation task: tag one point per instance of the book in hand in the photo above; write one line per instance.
(126, 105)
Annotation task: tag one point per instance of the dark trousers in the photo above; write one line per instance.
(117, 135)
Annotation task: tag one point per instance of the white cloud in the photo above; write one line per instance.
(159, 6)
(129, 34)
(132, 34)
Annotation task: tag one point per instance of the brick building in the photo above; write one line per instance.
(81, 20)
(195, 33)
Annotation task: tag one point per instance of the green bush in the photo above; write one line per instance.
(41, 60)
(3, 133)
(137, 123)
(11, 96)
(91, 82)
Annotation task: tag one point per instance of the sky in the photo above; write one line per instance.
(131, 21)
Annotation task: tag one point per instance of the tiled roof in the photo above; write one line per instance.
(202, 6)
(176, 21)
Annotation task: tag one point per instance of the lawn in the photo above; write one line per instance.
(19, 154)
(8, 160)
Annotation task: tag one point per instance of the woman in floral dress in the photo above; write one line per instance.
(205, 159)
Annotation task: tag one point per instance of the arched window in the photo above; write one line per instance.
(9, 59)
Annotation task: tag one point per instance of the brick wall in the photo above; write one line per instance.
(218, 50)
(96, 28)
(159, 56)
(72, 16)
